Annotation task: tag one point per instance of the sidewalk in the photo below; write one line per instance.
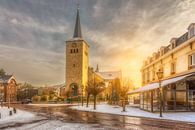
(132, 111)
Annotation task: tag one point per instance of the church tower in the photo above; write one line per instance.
(77, 60)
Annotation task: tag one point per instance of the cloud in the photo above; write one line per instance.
(31, 65)
(121, 34)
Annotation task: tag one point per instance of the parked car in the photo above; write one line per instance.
(26, 101)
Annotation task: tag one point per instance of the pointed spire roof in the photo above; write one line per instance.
(77, 29)
(97, 68)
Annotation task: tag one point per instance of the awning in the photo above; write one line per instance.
(156, 85)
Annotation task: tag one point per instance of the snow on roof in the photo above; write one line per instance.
(156, 85)
(5, 78)
(109, 75)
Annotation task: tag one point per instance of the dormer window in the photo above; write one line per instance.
(162, 51)
(154, 55)
(173, 43)
(191, 30)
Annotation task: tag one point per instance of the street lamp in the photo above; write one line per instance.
(160, 76)
(82, 87)
(9, 96)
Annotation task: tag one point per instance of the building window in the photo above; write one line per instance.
(153, 74)
(192, 60)
(173, 66)
(143, 77)
(148, 76)
(74, 50)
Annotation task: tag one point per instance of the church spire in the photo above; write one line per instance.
(97, 68)
(77, 29)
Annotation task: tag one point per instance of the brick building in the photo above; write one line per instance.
(8, 88)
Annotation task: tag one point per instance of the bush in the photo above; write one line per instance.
(36, 98)
(44, 98)
(51, 96)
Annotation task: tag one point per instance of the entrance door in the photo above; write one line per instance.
(74, 89)
(191, 96)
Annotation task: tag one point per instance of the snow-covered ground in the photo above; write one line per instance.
(19, 116)
(57, 125)
(49, 105)
(132, 111)
(24, 120)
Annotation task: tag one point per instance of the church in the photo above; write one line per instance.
(77, 60)
(77, 66)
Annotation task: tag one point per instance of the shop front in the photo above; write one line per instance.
(178, 94)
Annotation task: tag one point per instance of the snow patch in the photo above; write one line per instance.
(19, 116)
(132, 111)
(51, 105)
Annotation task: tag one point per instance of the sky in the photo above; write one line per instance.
(121, 34)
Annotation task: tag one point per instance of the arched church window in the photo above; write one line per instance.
(74, 89)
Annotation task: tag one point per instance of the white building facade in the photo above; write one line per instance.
(177, 62)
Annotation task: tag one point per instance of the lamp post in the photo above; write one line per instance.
(9, 97)
(82, 87)
(160, 76)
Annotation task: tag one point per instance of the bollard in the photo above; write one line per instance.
(10, 113)
(14, 109)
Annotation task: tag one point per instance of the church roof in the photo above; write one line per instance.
(77, 29)
(109, 75)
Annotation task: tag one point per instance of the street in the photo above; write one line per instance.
(105, 121)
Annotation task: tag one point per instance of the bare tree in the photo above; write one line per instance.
(88, 94)
(82, 100)
(2, 72)
(125, 86)
(94, 88)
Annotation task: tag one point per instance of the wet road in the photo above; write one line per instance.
(108, 121)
